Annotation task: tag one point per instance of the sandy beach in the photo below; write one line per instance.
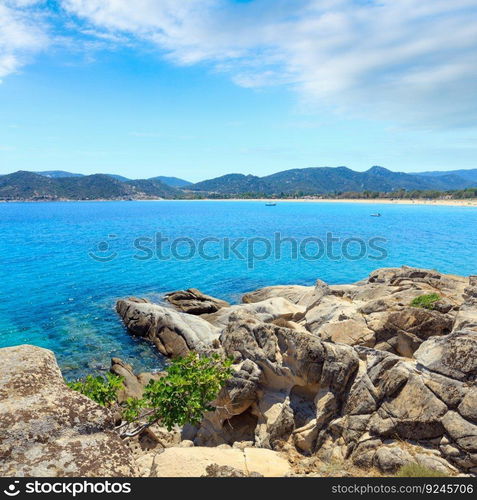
(451, 203)
(387, 201)
(384, 201)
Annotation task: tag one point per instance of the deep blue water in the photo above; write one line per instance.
(55, 295)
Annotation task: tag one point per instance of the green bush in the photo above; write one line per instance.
(416, 470)
(426, 301)
(103, 390)
(182, 396)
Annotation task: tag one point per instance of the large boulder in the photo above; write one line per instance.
(193, 301)
(47, 429)
(173, 333)
(467, 316)
(403, 331)
(453, 355)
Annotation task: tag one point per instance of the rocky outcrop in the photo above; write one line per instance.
(376, 312)
(46, 429)
(347, 372)
(173, 333)
(279, 373)
(193, 301)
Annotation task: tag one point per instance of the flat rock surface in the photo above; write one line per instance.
(192, 462)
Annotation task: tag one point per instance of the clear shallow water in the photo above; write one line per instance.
(55, 295)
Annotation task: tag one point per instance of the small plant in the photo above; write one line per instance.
(132, 408)
(426, 301)
(103, 390)
(416, 470)
(180, 397)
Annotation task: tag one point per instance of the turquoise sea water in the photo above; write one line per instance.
(59, 282)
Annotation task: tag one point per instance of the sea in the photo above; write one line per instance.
(65, 264)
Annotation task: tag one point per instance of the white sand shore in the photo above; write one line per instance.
(386, 201)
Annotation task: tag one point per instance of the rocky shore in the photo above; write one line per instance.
(352, 376)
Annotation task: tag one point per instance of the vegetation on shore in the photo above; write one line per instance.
(426, 301)
(181, 396)
(325, 183)
(103, 390)
(462, 194)
(416, 470)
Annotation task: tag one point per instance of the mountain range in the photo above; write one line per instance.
(62, 185)
(326, 180)
(470, 175)
(170, 181)
(24, 185)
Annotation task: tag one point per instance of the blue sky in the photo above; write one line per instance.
(200, 88)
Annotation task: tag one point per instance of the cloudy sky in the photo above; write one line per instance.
(199, 88)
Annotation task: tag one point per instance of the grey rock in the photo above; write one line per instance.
(461, 431)
(133, 385)
(391, 459)
(435, 463)
(193, 301)
(173, 333)
(468, 406)
(294, 293)
(449, 390)
(48, 429)
(453, 355)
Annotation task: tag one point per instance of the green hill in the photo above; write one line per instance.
(31, 186)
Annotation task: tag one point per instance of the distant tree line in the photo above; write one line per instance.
(401, 194)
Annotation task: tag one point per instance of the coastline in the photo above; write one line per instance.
(384, 201)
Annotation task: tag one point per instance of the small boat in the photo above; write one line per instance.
(270, 204)
(376, 215)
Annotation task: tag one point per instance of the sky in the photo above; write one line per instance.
(202, 88)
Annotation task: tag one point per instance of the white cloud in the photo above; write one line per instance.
(410, 61)
(22, 33)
